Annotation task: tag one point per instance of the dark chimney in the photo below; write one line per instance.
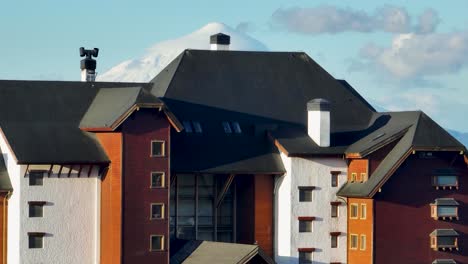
(220, 41)
(88, 64)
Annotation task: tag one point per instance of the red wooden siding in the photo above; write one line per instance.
(264, 212)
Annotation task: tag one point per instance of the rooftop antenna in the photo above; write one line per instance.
(88, 64)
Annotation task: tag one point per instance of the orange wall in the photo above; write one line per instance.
(111, 199)
(358, 166)
(3, 226)
(264, 212)
(360, 227)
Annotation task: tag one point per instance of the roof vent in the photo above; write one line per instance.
(220, 41)
(88, 64)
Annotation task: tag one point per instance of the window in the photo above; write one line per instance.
(197, 127)
(36, 209)
(236, 127)
(334, 179)
(187, 126)
(334, 208)
(36, 178)
(353, 177)
(353, 241)
(305, 224)
(157, 179)
(227, 127)
(444, 208)
(445, 181)
(363, 211)
(334, 239)
(353, 211)
(157, 211)
(363, 242)
(363, 177)
(305, 255)
(157, 148)
(157, 243)
(305, 193)
(35, 239)
(444, 239)
(444, 261)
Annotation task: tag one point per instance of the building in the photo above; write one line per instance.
(261, 155)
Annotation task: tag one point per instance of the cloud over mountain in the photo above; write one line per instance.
(161, 54)
(332, 19)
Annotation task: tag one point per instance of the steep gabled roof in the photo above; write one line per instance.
(111, 106)
(40, 120)
(423, 134)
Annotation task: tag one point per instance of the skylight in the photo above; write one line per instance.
(236, 127)
(227, 128)
(197, 127)
(187, 126)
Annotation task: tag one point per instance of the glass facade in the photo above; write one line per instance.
(193, 211)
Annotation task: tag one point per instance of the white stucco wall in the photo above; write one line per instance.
(14, 226)
(70, 221)
(311, 172)
(282, 243)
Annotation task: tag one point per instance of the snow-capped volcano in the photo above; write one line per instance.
(159, 55)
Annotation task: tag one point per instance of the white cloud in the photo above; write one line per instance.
(415, 56)
(332, 19)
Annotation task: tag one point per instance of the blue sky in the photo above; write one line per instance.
(401, 55)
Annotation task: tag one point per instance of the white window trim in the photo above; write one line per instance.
(351, 210)
(163, 180)
(162, 243)
(162, 211)
(163, 148)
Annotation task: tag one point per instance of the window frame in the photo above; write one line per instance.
(334, 180)
(351, 236)
(163, 148)
(161, 242)
(444, 186)
(35, 235)
(31, 179)
(306, 220)
(351, 205)
(163, 181)
(363, 211)
(162, 211)
(306, 188)
(36, 203)
(334, 236)
(334, 210)
(302, 252)
(362, 242)
(363, 177)
(353, 177)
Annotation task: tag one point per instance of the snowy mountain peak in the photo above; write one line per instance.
(161, 54)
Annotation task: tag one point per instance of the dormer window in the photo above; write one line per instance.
(227, 127)
(187, 126)
(236, 127)
(444, 239)
(197, 127)
(445, 208)
(231, 127)
(353, 177)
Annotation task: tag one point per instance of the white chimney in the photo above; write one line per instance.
(88, 64)
(318, 121)
(220, 41)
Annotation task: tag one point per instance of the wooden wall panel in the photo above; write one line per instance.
(264, 212)
(111, 199)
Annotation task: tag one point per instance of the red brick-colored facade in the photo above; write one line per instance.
(403, 215)
(137, 227)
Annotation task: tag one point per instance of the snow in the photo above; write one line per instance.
(161, 54)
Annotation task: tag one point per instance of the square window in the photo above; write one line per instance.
(157, 179)
(36, 209)
(36, 178)
(363, 211)
(35, 240)
(353, 211)
(305, 226)
(157, 211)
(305, 257)
(334, 210)
(305, 193)
(157, 148)
(353, 241)
(363, 242)
(157, 243)
(363, 177)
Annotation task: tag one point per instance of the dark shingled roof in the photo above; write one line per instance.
(202, 252)
(444, 232)
(5, 184)
(111, 104)
(417, 132)
(40, 120)
(446, 202)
